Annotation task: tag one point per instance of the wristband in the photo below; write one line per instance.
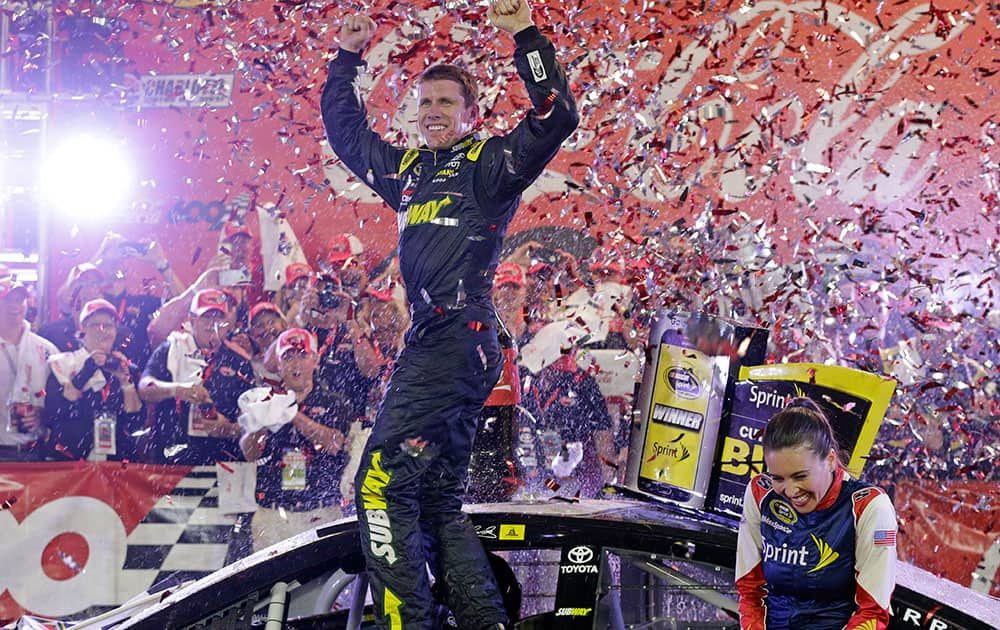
(89, 369)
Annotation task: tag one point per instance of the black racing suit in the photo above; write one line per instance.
(453, 208)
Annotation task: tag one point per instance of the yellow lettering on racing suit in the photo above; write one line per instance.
(425, 212)
(373, 502)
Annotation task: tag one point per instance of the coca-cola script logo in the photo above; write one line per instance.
(772, 106)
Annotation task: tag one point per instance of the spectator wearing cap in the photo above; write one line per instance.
(115, 258)
(348, 358)
(266, 324)
(92, 408)
(23, 372)
(566, 433)
(297, 278)
(194, 379)
(346, 262)
(84, 283)
(228, 270)
(299, 447)
(510, 295)
(237, 242)
(241, 278)
(381, 322)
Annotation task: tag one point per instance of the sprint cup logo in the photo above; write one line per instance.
(683, 382)
(581, 557)
(784, 512)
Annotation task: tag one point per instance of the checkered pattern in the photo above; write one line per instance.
(184, 536)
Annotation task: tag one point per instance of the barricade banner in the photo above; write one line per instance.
(950, 528)
(79, 536)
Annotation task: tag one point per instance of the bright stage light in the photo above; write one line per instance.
(87, 176)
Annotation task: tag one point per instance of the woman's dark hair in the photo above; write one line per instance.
(450, 72)
(801, 423)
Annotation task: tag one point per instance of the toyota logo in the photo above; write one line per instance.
(580, 555)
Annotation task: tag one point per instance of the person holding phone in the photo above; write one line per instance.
(193, 381)
(92, 407)
(83, 284)
(116, 258)
(454, 197)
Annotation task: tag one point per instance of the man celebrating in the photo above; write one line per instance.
(454, 199)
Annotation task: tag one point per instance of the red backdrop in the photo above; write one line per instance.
(952, 529)
(824, 121)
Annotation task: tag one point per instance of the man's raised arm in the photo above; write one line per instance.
(362, 150)
(534, 142)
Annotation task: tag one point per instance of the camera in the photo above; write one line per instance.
(328, 292)
(329, 300)
(112, 364)
(134, 248)
(545, 256)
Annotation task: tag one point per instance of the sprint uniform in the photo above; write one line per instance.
(831, 569)
(453, 207)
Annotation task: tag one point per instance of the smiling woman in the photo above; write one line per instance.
(816, 548)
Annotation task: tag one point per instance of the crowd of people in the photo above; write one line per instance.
(292, 381)
(175, 374)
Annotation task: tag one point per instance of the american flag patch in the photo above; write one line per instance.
(885, 537)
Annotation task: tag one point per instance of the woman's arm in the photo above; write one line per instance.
(750, 561)
(874, 558)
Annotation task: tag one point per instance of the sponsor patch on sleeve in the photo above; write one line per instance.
(537, 67)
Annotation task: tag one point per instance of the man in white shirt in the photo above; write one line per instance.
(23, 372)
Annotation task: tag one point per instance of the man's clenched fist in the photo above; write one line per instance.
(356, 32)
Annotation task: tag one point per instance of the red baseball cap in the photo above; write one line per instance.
(77, 273)
(234, 228)
(296, 339)
(344, 246)
(264, 307)
(96, 306)
(209, 300)
(10, 284)
(509, 273)
(295, 271)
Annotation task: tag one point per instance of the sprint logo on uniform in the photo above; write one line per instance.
(376, 516)
(784, 555)
(426, 212)
(826, 554)
(800, 557)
